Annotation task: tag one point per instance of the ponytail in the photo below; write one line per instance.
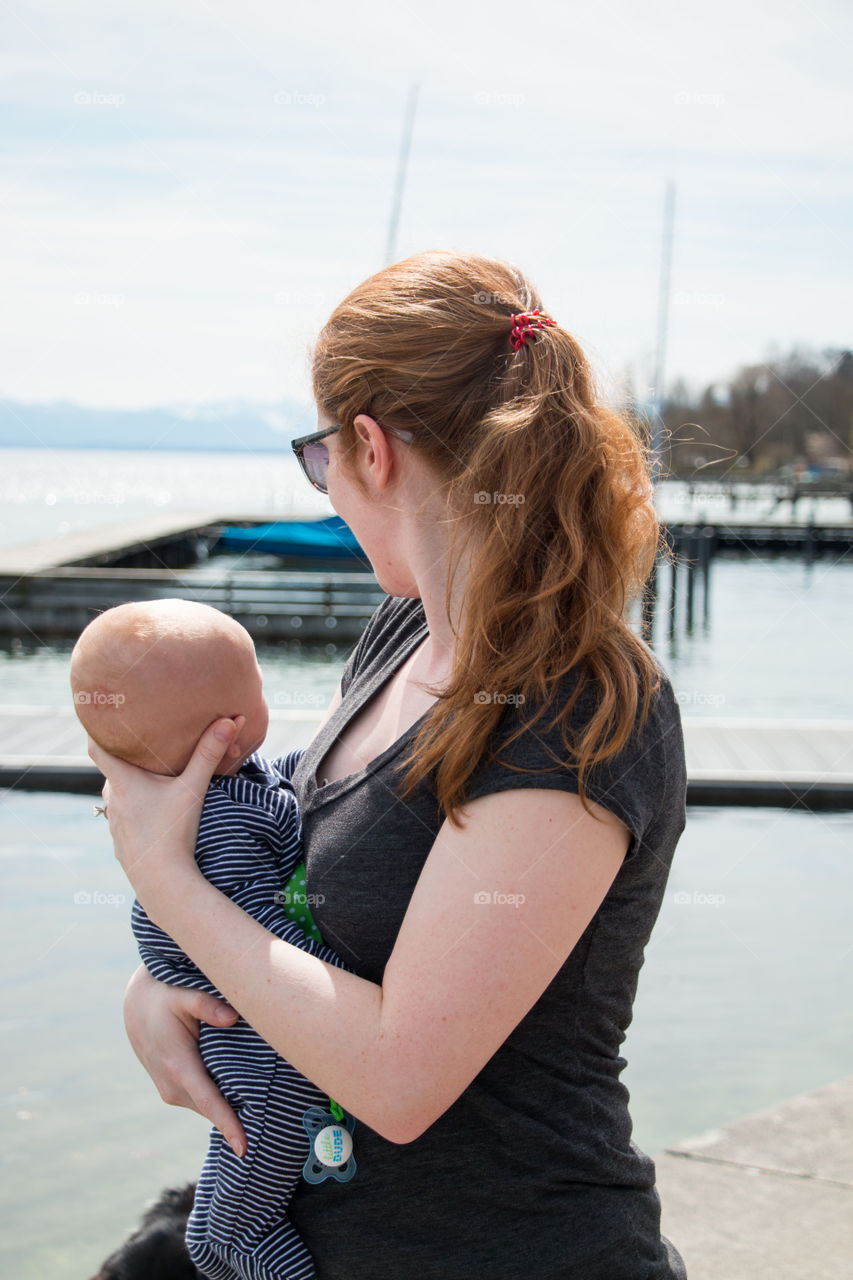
(550, 494)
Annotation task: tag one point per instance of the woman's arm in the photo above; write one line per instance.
(462, 974)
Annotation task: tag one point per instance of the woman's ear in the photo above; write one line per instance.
(374, 445)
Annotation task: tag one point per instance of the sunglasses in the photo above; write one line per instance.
(314, 456)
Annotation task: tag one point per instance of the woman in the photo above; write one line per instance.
(489, 810)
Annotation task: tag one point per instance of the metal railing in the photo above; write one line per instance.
(270, 604)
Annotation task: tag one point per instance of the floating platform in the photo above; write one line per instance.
(805, 764)
(323, 590)
(271, 605)
(165, 540)
(763, 537)
(319, 585)
(50, 746)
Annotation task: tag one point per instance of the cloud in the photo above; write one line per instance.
(225, 176)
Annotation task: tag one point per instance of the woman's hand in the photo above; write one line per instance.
(154, 819)
(162, 1025)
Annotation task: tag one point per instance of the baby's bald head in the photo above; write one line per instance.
(149, 678)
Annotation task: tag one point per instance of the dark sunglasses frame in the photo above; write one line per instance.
(298, 447)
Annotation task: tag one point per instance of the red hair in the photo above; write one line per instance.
(566, 546)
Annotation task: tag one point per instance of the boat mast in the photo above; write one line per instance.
(402, 163)
(663, 322)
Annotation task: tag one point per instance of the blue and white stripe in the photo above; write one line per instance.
(249, 843)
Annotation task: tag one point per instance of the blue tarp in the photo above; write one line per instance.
(327, 539)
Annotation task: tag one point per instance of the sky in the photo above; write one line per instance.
(188, 190)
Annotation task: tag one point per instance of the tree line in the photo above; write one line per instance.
(790, 415)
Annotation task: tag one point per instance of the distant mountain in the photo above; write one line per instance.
(235, 425)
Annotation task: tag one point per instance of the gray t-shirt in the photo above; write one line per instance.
(532, 1169)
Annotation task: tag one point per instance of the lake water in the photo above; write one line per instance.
(778, 633)
(45, 493)
(743, 1000)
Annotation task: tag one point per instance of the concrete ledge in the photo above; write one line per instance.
(769, 1197)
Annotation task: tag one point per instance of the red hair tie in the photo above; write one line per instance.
(526, 322)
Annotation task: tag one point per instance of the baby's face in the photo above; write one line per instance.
(254, 731)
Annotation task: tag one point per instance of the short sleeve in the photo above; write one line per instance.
(644, 778)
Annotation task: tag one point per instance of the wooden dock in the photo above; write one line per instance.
(798, 763)
(52, 589)
(790, 763)
(50, 746)
(167, 539)
(176, 539)
(804, 537)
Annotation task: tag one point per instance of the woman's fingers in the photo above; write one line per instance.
(210, 1009)
(162, 1025)
(191, 1076)
(186, 1083)
(210, 1103)
(212, 746)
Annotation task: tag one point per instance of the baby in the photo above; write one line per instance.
(147, 680)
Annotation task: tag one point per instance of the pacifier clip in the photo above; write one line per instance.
(329, 1129)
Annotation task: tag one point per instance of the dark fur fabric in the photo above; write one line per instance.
(156, 1249)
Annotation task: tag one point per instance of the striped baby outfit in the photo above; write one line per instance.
(249, 843)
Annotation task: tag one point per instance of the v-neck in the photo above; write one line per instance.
(347, 712)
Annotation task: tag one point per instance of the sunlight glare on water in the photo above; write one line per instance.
(45, 493)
